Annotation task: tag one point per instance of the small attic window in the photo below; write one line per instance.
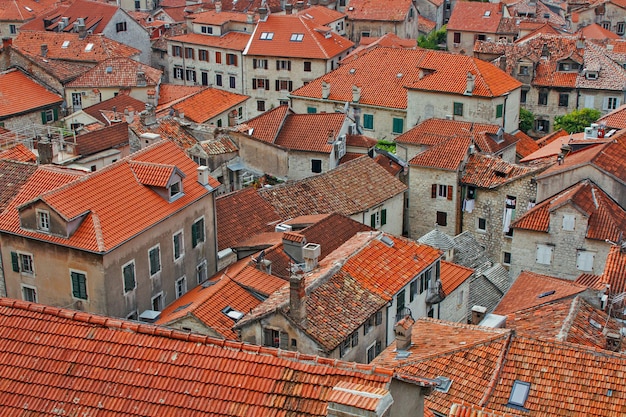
(487, 13)
(175, 189)
(545, 294)
(65, 44)
(267, 36)
(296, 37)
(591, 75)
(89, 47)
(109, 70)
(232, 313)
(519, 394)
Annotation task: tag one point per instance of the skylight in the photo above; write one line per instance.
(232, 313)
(65, 44)
(519, 393)
(28, 8)
(487, 13)
(267, 36)
(89, 47)
(296, 37)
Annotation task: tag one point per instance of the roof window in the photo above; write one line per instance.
(65, 44)
(519, 394)
(267, 36)
(487, 13)
(89, 47)
(296, 37)
(232, 313)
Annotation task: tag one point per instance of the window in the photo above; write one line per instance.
(218, 57)
(157, 302)
(348, 344)
(368, 121)
(137, 4)
(29, 293)
(611, 103)
(232, 81)
(260, 84)
(201, 272)
(373, 351)
(283, 65)
(367, 326)
(398, 125)
(128, 273)
(606, 25)
(442, 218)
(178, 243)
(564, 66)
(523, 70)
(260, 105)
(282, 85)
(442, 191)
(506, 258)
(412, 290)
(12, 29)
(544, 254)
(311, 110)
(307, 66)
(218, 79)
(175, 189)
(584, 260)
(267, 36)
(499, 108)
(154, 257)
(296, 37)
(231, 59)
(275, 338)
(519, 393)
(197, 232)
(77, 101)
(178, 73)
(316, 166)
(523, 96)
(79, 284)
(569, 222)
(181, 286)
(378, 218)
(460, 297)
(510, 204)
(48, 116)
(591, 75)
(400, 301)
(365, 34)
(619, 28)
(379, 318)
(203, 55)
(482, 224)
(542, 125)
(458, 109)
(206, 29)
(543, 98)
(189, 53)
(283, 102)
(190, 75)
(43, 220)
(457, 37)
(120, 27)
(259, 63)
(563, 99)
(22, 262)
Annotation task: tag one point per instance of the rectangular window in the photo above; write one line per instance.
(307, 66)
(458, 109)
(232, 82)
(47, 116)
(77, 101)
(271, 338)
(499, 108)
(442, 191)
(412, 290)
(368, 121)
(267, 36)
(400, 301)
(311, 110)
(367, 326)
(543, 98)
(611, 103)
(398, 125)
(260, 105)
(178, 73)
(181, 286)
(197, 232)
(563, 99)
(569, 222)
(120, 27)
(544, 254)
(206, 29)
(282, 64)
(189, 53)
(260, 84)
(190, 75)
(584, 260)
(259, 63)
(284, 85)
(523, 96)
(203, 55)
(29, 293)
(218, 57)
(157, 302)
(154, 257)
(442, 218)
(218, 79)
(128, 272)
(201, 272)
(379, 318)
(179, 248)
(12, 29)
(619, 29)
(316, 166)
(231, 59)
(506, 258)
(177, 51)
(457, 37)
(296, 37)
(43, 220)
(22, 262)
(79, 285)
(542, 125)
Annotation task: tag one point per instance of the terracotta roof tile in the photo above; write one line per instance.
(100, 196)
(525, 144)
(388, 10)
(97, 16)
(475, 17)
(172, 93)
(464, 410)
(348, 189)
(490, 172)
(595, 31)
(120, 103)
(318, 42)
(322, 15)
(235, 41)
(18, 153)
(208, 103)
(446, 155)
(196, 373)
(389, 164)
(13, 175)
(360, 141)
(332, 231)
(614, 274)
(310, 132)
(530, 290)
(113, 136)
(266, 126)
(211, 17)
(21, 94)
(122, 73)
(152, 174)
(24, 10)
(615, 119)
(453, 275)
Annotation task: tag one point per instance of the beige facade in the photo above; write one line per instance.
(455, 306)
(82, 97)
(389, 222)
(607, 14)
(406, 29)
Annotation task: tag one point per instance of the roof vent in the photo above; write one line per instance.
(443, 384)
(149, 316)
(387, 240)
(545, 294)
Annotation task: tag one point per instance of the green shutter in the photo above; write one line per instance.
(383, 217)
(55, 112)
(79, 285)
(398, 125)
(194, 235)
(368, 121)
(499, 108)
(43, 117)
(129, 278)
(15, 261)
(373, 220)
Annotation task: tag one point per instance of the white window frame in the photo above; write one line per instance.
(172, 188)
(181, 289)
(202, 266)
(544, 254)
(134, 276)
(158, 247)
(199, 241)
(181, 245)
(162, 297)
(367, 352)
(611, 103)
(442, 191)
(478, 228)
(29, 287)
(23, 255)
(43, 220)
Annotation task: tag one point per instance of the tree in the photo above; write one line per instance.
(433, 40)
(386, 145)
(577, 120)
(526, 120)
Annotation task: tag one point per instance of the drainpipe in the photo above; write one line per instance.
(506, 96)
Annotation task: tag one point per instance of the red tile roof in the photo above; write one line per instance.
(117, 72)
(70, 47)
(18, 153)
(490, 172)
(350, 188)
(21, 94)
(120, 103)
(266, 126)
(208, 103)
(595, 31)
(310, 132)
(360, 141)
(447, 155)
(172, 93)
(113, 136)
(615, 119)
(318, 42)
(530, 290)
(13, 175)
(18, 11)
(331, 232)
(58, 363)
(606, 219)
(525, 144)
(453, 275)
(613, 276)
(235, 41)
(242, 214)
(389, 164)
(212, 17)
(100, 196)
(322, 15)
(386, 11)
(389, 40)
(97, 16)
(468, 16)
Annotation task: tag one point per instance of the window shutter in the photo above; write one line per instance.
(55, 111)
(373, 220)
(277, 85)
(194, 235)
(383, 217)
(450, 188)
(433, 191)
(234, 60)
(288, 65)
(284, 340)
(254, 83)
(15, 261)
(75, 285)
(277, 65)
(218, 57)
(290, 85)
(43, 117)
(267, 84)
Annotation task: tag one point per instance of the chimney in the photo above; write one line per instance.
(613, 340)
(262, 14)
(148, 116)
(478, 314)
(352, 399)
(331, 136)
(203, 175)
(293, 243)
(218, 7)
(313, 2)
(250, 18)
(503, 63)
(265, 265)
(7, 42)
(46, 154)
(469, 87)
(297, 296)
(232, 118)
(44, 49)
(299, 5)
(148, 138)
(129, 114)
(311, 253)
(288, 8)
(325, 89)
(403, 330)
(356, 93)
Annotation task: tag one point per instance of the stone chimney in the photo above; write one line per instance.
(203, 175)
(356, 93)
(147, 139)
(129, 114)
(265, 265)
(44, 49)
(349, 399)
(478, 314)
(288, 8)
(250, 18)
(325, 89)
(148, 116)
(46, 153)
(613, 340)
(469, 87)
(297, 296)
(292, 245)
(403, 331)
(232, 118)
(299, 6)
(262, 14)
(310, 254)
(218, 7)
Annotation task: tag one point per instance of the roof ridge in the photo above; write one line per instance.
(574, 308)
(153, 330)
(497, 370)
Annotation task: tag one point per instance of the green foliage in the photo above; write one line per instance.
(526, 120)
(433, 40)
(387, 146)
(577, 120)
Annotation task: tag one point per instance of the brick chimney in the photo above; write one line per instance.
(45, 150)
(297, 296)
(403, 330)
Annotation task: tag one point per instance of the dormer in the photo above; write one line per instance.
(591, 75)
(38, 216)
(165, 180)
(567, 65)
